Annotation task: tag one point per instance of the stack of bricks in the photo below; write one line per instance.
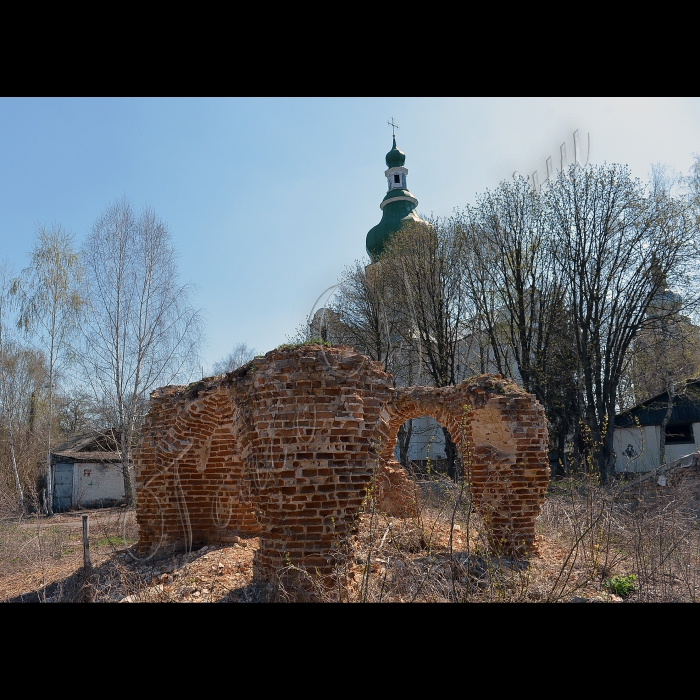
(287, 447)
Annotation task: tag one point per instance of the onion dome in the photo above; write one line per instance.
(398, 206)
(395, 158)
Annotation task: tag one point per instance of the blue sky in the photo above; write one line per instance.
(268, 199)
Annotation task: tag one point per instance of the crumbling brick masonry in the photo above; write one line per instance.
(287, 447)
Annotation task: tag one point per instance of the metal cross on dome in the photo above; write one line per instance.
(393, 126)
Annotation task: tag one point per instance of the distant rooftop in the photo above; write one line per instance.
(90, 447)
(686, 408)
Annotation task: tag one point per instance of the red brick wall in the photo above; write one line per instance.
(190, 483)
(500, 432)
(287, 448)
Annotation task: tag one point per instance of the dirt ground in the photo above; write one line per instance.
(586, 539)
(391, 557)
(46, 554)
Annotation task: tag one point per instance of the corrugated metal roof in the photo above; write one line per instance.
(91, 447)
(686, 408)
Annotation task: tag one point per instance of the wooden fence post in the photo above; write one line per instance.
(86, 544)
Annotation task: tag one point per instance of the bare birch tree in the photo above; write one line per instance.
(22, 373)
(421, 267)
(360, 316)
(50, 306)
(240, 354)
(8, 397)
(141, 331)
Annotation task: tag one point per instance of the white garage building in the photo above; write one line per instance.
(87, 473)
(638, 430)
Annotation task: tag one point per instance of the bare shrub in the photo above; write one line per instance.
(591, 541)
(590, 537)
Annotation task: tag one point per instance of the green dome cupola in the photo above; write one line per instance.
(398, 206)
(395, 158)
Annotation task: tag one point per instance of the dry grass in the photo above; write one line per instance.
(590, 541)
(587, 536)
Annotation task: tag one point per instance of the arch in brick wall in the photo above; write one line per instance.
(292, 432)
(502, 442)
(191, 482)
(285, 448)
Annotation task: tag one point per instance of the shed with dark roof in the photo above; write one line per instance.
(638, 430)
(87, 472)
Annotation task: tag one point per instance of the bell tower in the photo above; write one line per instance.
(398, 206)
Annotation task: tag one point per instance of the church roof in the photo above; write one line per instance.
(398, 208)
(395, 158)
(391, 194)
(394, 216)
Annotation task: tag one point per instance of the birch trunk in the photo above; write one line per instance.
(18, 484)
(666, 418)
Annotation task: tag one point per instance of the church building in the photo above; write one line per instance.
(399, 207)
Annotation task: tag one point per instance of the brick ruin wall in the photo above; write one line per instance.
(287, 446)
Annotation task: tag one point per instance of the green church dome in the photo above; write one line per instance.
(398, 206)
(398, 192)
(395, 158)
(394, 216)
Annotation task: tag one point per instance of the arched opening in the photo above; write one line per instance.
(425, 448)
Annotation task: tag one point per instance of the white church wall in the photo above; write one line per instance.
(427, 440)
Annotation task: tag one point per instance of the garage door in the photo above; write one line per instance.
(63, 486)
